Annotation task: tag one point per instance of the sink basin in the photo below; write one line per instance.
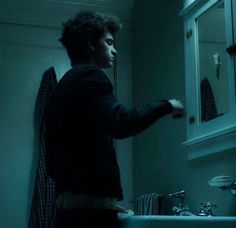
(170, 221)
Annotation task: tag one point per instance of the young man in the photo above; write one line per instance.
(82, 119)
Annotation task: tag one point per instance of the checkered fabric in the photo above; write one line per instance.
(208, 104)
(43, 208)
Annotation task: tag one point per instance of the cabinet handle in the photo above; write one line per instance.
(189, 33)
(191, 119)
(231, 50)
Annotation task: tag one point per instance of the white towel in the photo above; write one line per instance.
(147, 204)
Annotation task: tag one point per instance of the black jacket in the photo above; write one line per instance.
(82, 118)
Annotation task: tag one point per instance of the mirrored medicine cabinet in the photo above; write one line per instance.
(210, 76)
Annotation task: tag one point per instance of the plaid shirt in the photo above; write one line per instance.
(43, 208)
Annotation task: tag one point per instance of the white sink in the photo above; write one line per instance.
(165, 221)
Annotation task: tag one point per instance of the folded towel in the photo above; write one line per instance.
(147, 204)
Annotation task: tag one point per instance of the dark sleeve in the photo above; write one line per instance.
(120, 121)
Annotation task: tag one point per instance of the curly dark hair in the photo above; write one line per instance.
(87, 27)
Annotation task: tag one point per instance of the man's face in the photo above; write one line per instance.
(105, 52)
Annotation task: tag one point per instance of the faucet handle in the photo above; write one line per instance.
(179, 209)
(179, 194)
(206, 209)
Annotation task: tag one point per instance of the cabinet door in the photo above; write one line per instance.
(234, 34)
(210, 75)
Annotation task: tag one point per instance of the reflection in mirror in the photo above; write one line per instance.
(212, 69)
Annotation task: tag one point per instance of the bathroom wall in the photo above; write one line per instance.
(160, 161)
(124, 95)
(23, 60)
(28, 46)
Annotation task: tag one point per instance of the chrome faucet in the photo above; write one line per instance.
(178, 210)
(206, 209)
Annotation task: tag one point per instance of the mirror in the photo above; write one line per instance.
(212, 68)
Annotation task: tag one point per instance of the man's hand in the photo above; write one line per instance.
(178, 108)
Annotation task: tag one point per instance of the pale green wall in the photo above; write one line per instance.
(160, 163)
(23, 60)
(124, 95)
